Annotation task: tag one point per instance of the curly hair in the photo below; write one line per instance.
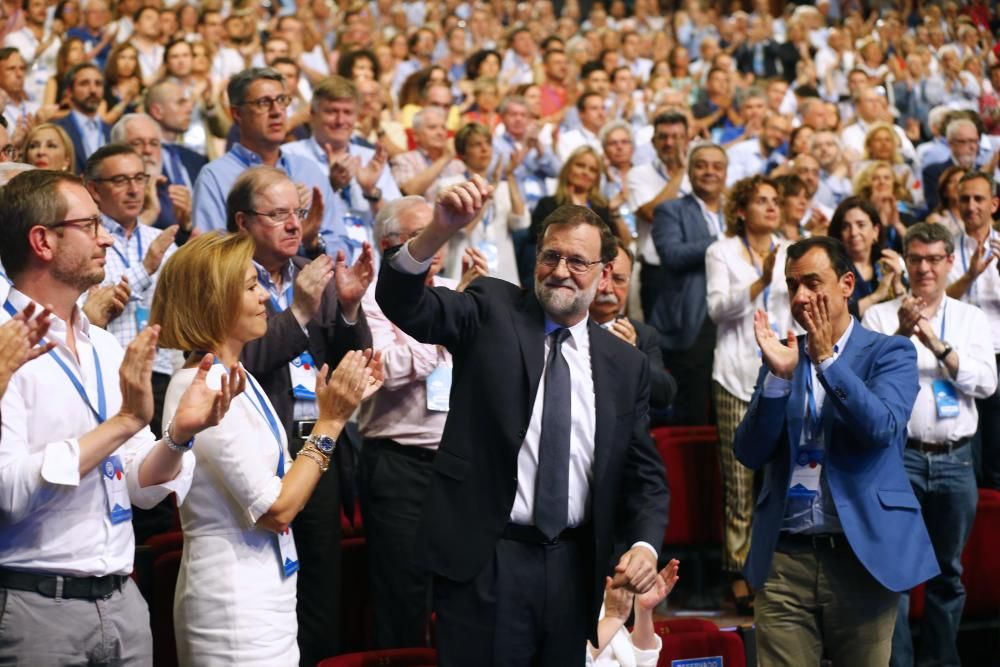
(738, 200)
(863, 182)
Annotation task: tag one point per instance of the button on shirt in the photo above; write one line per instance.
(823, 515)
(985, 290)
(967, 331)
(52, 519)
(217, 178)
(645, 181)
(124, 259)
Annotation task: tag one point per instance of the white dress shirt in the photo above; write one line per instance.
(573, 139)
(51, 519)
(645, 181)
(729, 276)
(965, 328)
(985, 290)
(747, 159)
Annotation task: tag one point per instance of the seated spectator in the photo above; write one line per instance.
(882, 144)
(492, 231)
(878, 270)
(123, 84)
(878, 184)
(232, 598)
(641, 647)
(834, 175)
(419, 172)
(47, 146)
(83, 124)
(948, 212)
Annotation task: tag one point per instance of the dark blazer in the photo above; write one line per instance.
(69, 124)
(496, 334)
(192, 161)
(329, 338)
(870, 391)
(662, 386)
(681, 238)
(930, 176)
(743, 55)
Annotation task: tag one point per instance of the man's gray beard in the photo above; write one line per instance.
(557, 305)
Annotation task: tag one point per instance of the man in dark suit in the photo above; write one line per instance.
(546, 459)
(608, 310)
(837, 531)
(759, 54)
(314, 317)
(84, 85)
(682, 231)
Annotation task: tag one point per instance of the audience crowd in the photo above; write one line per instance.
(237, 235)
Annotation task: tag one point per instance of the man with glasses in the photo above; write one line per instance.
(546, 461)
(168, 198)
(314, 318)
(75, 453)
(117, 178)
(84, 86)
(258, 101)
(955, 359)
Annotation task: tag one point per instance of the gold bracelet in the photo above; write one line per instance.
(316, 456)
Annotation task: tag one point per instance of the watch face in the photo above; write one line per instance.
(324, 443)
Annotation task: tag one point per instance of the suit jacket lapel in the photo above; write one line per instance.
(529, 323)
(601, 365)
(797, 399)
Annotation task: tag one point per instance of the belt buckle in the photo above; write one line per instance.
(304, 427)
(823, 541)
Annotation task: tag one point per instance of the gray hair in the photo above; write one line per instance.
(418, 118)
(240, 83)
(958, 123)
(928, 233)
(242, 195)
(9, 170)
(120, 128)
(937, 116)
(510, 100)
(615, 125)
(387, 221)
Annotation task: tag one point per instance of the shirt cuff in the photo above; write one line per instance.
(147, 497)
(403, 261)
(61, 463)
(267, 497)
(648, 546)
(776, 387)
(826, 363)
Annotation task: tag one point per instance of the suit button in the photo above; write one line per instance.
(841, 394)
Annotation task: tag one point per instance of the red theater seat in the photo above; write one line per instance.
(691, 456)
(403, 657)
(692, 645)
(682, 625)
(980, 573)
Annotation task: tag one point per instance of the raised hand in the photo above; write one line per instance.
(819, 326)
(474, 265)
(342, 169)
(909, 314)
(135, 378)
(352, 282)
(106, 303)
(310, 283)
(202, 407)
(19, 339)
(780, 359)
(314, 221)
(767, 270)
(180, 197)
(665, 582)
(368, 175)
(338, 397)
(459, 204)
(158, 248)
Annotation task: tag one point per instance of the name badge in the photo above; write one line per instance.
(141, 317)
(287, 554)
(116, 491)
(302, 370)
(439, 389)
(806, 473)
(945, 399)
(492, 254)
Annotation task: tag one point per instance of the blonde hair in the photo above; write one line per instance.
(863, 182)
(199, 291)
(897, 156)
(63, 137)
(595, 196)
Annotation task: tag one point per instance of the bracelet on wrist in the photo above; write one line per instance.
(310, 452)
(175, 446)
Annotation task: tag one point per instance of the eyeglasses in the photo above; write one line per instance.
(265, 103)
(551, 259)
(933, 260)
(121, 180)
(9, 151)
(280, 216)
(94, 222)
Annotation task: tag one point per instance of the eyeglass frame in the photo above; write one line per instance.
(121, 180)
(583, 266)
(917, 260)
(300, 213)
(265, 104)
(94, 221)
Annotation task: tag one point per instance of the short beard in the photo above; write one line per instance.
(555, 304)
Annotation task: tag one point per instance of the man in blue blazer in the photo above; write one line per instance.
(837, 531)
(682, 231)
(85, 85)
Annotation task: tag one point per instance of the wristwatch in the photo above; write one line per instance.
(945, 352)
(374, 195)
(324, 443)
(177, 447)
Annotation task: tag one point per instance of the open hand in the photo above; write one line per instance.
(819, 326)
(310, 283)
(19, 339)
(135, 378)
(780, 359)
(353, 281)
(200, 406)
(664, 584)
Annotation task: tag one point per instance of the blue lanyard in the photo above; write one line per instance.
(260, 405)
(944, 314)
(138, 244)
(813, 423)
(101, 412)
(759, 270)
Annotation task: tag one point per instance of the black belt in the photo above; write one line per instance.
(801, 542)
(84, 588)
(936, 447)
(417, 452)
(303, 428)
(531, 534)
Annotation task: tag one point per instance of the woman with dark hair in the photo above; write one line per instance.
(483, 63)
(745, 272)
(947, 212)
(123, 85)
(71, 52)
(359, 63)
(794, 200)
(878, 270)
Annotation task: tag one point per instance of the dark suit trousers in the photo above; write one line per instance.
(317, 540)
(393, 487)
(527, 607)
(692, 369)
(650, 286)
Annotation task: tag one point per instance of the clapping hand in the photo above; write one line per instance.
(780, 359)
(909, 315)
(352, 282)
(106, 303)
(368, 175)
(819, 326)
(358, 375)
(135, 378)
(664, 584)
(310, 283)
(200, 406)
(474, 265)
(19, 339)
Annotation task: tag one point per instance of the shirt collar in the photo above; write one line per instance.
(264, 276)
(57, 326)
(115, 228)
(85, 122)
(578, 331)
(251, 159)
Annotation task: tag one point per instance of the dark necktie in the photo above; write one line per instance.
(552, 481)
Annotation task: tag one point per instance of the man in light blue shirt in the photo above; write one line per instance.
(258, 101)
